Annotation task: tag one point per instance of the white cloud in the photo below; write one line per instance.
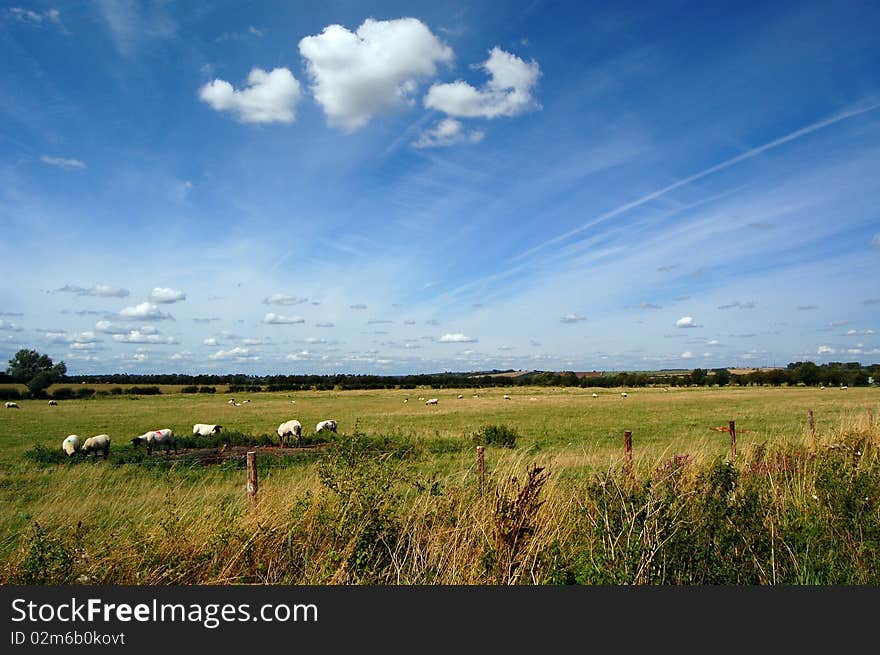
(270, 97)
(356, 75)
(447, 132)
(507, 93)
(686, 322)
(277, 319)
(8, 326)
(283, 299)
(458, 337)
(61, 162)
(234, 353)
(713, 342)
(65, 337)
(139, 336)
(325, 325)
(165, 295)
(183, 355)
(687, 354)
(300, 356)
(875, 242)
(36, 17)
(210, 341)
(573, 318)
(144, 311)
(825, 350)
(110, 328)
(99, 290)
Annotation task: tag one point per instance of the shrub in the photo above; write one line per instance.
(190, 389)
(499, 435)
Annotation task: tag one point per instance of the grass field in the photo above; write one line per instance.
(196, 511)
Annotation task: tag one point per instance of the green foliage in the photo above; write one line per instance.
(496, 435)
(49, 558)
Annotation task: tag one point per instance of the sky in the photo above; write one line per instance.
(407, 187)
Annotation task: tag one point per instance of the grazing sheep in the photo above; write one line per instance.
(460, 396)
(432, 401)
(231, 401)
(822, 386)
(205, 429)
(595, 395)
(288, 429)
(52, 403)
(843, 387)
(245, 401)
(162, 437)
(506, 397)
(94, 444)
(12, 405)
(329, 424)
(406, 400)
(623, 394)
(71, 445)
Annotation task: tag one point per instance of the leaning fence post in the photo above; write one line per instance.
(252, 483)
(731, 425)
(628, 446)
(481, 469)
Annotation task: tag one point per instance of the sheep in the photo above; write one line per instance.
(460, 396)
(71, 445)
(595, 395)
(245, 401)
(406, 400)
(432, 401)
(231, 401)
(623, 394)
(206, 429)
(52, 403)
(12, 405)
(161, 437)
(329, 424)
(94, 444)
(288, 429)
(506, 397)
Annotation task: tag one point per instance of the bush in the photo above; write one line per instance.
(10, 394)
(499, 435)
(207, 389)
(190, 389)
(144, 391)
(63, 393)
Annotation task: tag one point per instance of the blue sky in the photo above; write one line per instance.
(276, 187)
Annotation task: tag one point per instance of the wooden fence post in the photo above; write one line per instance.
(731, 426)
(812, 424)
(252, 484)
(481, 469)
(628, 445)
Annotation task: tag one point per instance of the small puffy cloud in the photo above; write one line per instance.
(713, 342)
(183, 355)
(359, 305)
(686, 322)
(507, 93)
(34, 17)
(210, 341)
(825, 350)
(447, 132)
(77, 337)
(300, 356)
(145, 311)
(238, 353)
(687, 354)
(573, 318)
(283, 299)
(458, 337)
(166, 295)
(61, 162)
(269, 97)
(277, 319)
(9, 326)
(325, 324)
(109, 327)
(99, 290)
(138, 336)
(860, 332)
(356, 75)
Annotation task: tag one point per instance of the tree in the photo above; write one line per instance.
(37, 371)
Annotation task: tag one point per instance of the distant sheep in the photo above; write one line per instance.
(432, 401)
(206, 429)
(97, 443)
(406, 400)
(506, 397)
(163, 437)
(595, 395)
(460, 396)
(329, 424)
(71, 444)
(287, 429)
(231, 401)
(12, 405)
(52, 403)
(623, 394)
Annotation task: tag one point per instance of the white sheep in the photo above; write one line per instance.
(94, 444)
(623, 394)
(506, 397)
(460, 396)
(52, 403)
(162, 437)
(329, 424)
(432, 401)
(206, 429)
(406, 400)
(288, 429)
(595, 395)
(12, 405)
(71, 444)
(231, 401)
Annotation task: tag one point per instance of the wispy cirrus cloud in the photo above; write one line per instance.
(62, 162)
(572, 318)
(447, 132)
(279, 319)
(99, 290)
(283, 299)
(457, 337)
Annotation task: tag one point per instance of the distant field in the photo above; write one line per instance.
(565, 429)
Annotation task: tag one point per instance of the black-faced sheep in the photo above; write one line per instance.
(12, 405)
(163, 437)
(288, 429)
(329, 424)
(97, 443)
(206, 429)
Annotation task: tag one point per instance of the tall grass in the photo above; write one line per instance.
(803, 512)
